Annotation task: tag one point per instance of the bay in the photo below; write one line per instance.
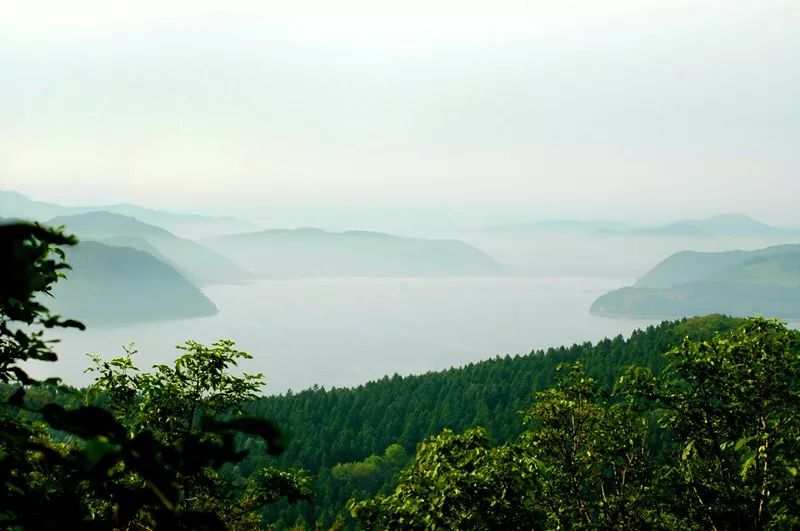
(347, 331)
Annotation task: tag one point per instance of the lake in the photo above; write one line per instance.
(347, 331)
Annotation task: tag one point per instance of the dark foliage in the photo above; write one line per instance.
(82, 467)
(351, 426)
(712, 443)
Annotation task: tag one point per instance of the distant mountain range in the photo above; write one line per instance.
(623, 250)
(764, 281)
(723, 225)
(314, 252)
(16, 205)
(561, 225)
(198, 263)
(116, 285)
(247, 253)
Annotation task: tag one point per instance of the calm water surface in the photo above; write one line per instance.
(347, 331)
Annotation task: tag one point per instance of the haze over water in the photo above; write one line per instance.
(346, 331)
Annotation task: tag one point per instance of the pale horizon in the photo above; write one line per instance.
(635, 111)
(409, 218)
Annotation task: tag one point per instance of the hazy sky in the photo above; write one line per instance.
(613, 109)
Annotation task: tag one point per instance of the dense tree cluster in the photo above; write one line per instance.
(711, 443)
(331, 426)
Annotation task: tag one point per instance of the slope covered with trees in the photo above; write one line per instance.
(356, 426)
(352, 423)
(711, 443)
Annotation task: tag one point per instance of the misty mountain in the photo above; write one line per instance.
(608, 249)
(197, 262)
(186, 225)
(142, 244)
(724, 225)
(314, 252)
(560, 225)
(116, 285)
(765, 282)
(16, 205)
(721, 226)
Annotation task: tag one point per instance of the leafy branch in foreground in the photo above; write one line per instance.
(197, 399)
(152, 458)
(457, 481)
(32, 262)
(732, 406)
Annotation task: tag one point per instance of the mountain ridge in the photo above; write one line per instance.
(316, 252)
(16, 205)
(200, 264)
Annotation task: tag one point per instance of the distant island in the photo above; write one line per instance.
(761, 282)
(315, 252)
(118, 285)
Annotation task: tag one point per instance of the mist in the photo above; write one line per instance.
(638, 111)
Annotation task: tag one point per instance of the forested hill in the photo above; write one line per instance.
(354, 440)
(340, 425)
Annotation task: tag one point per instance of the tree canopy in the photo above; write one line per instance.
(713, 442)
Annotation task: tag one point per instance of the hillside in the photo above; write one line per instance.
(341, 435)
(780, 270)
(198, 263)
(762, 282)
(314, 252)
(689, 266)
(405, 409)
(115, 285)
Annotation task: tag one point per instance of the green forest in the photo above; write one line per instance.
(690, 424)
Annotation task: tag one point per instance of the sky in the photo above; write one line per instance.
(629, 109)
